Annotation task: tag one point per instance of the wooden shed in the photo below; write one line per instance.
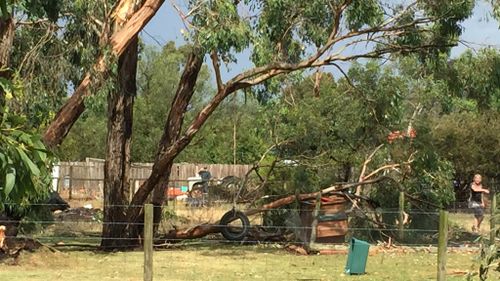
(332, 223)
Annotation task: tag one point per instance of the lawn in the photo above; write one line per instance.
(466, 221)
(221, 262)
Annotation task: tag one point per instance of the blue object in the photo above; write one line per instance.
(333, 217)
(184, 188)
(357, 257)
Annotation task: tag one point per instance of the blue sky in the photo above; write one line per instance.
(480, 30)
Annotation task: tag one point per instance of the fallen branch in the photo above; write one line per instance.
(363, 170)
(58, 245)
(202, 230)
(193, 233)
(301, 197)
(385, 167)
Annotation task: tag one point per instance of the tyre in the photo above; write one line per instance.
(238, 230)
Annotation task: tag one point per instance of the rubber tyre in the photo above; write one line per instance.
(230, 217)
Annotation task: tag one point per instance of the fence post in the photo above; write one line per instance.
(401, 214)
(442, 245)
(70, 190)
(148, 242)
(314, 224)
(493, 208)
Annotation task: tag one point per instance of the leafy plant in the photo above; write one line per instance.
(24, 163)
(488, 259)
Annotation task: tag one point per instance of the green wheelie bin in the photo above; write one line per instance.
(356, 259)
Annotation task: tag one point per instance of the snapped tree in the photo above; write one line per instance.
(285, 36)
(131, 16)
(284, 44)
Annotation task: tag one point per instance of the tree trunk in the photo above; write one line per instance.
(131, 19)
(117, 165)
(6, 39)
(162, 166)
(347, 172)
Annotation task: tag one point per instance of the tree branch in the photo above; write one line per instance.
(216, 65)
(291, 198)
(119, 40)
(273, 70)
(260, 74)
(205, 229)
(367, 161)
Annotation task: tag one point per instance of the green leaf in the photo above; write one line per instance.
(40, 150)
(3, 160)
(27, 162)
(6, 85)
(40, 154)
(25, 138)
(10, 179)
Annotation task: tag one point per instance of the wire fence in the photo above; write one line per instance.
(84, 225)
(77, 233)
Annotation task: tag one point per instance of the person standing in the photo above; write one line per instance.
(205, 176)
(476, 201)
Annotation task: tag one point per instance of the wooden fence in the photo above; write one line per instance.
(86, 179)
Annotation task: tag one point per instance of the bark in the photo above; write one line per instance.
(6, 39)
(67, 115)
(171, 133)
(117, 165)
(131, 22)
(192, 233)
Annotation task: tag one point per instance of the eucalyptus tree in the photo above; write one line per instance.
(10, 11)
(50, 56)
(119, 29)
(157, 75)
(24, 162)
(284, 37)
(468, 130)
(51, 47)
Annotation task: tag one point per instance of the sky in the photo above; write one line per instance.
(480, 30)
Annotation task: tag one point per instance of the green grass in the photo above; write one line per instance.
(221, 262)
(466, 221)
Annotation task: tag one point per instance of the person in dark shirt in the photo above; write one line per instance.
(205, 176)
(476, 201)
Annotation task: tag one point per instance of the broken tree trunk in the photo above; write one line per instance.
(131, 21)
(117, 165)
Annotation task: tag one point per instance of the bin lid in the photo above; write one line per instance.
(355, 241)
